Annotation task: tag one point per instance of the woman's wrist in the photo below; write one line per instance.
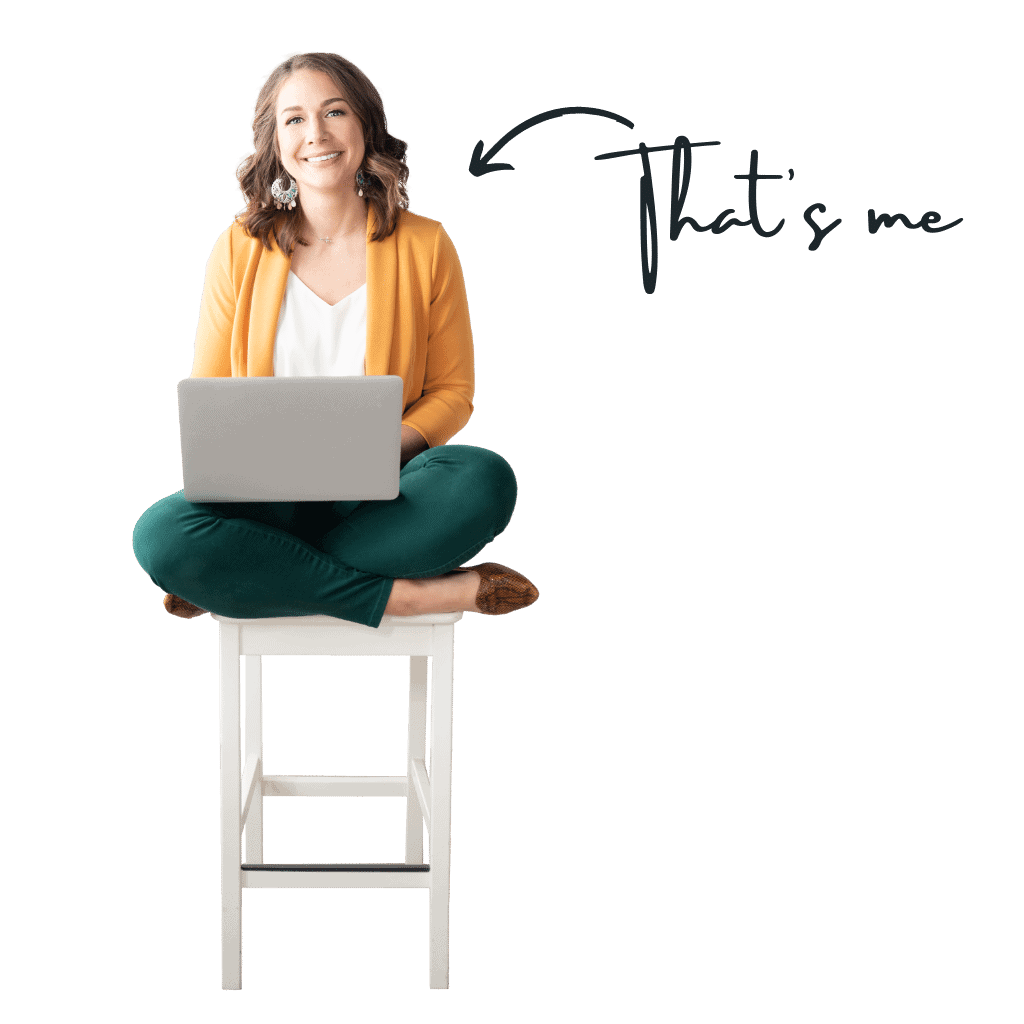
(413, 442)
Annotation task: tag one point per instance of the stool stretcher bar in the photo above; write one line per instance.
(336, 867)
(334, 785)
(335, 880)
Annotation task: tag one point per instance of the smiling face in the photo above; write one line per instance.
(318, 134)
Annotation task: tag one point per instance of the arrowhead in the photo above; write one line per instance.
(479, 165)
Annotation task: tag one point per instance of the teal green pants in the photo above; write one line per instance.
(250, 560)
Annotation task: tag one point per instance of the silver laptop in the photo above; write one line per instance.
(290, 438)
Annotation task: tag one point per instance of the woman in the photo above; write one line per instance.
(327, 273)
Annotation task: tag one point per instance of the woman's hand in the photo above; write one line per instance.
(413, 443)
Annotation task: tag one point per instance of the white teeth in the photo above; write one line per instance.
(320, 159)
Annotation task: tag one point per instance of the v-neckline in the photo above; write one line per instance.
(324, 302)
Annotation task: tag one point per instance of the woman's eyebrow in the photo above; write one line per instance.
(334, 99)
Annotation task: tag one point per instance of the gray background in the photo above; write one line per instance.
(754, 755)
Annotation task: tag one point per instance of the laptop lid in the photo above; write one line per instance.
(290, 438)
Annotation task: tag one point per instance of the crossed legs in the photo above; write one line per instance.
(256, 560)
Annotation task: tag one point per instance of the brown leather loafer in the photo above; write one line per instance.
(502, 589)
(182, 608)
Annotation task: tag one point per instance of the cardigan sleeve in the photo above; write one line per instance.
(447, 400)
(216, 314)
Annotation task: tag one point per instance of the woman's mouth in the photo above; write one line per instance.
(321, 159)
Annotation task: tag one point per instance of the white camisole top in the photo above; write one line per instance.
(315, 339)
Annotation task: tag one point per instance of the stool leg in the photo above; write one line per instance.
(417, 750)
(254, 745)
(230, 809)
(440, 802)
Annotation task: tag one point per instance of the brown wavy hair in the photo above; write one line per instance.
(384, 165)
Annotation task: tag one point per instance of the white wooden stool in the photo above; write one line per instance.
(242, 790)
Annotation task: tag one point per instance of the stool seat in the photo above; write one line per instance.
(433, 619)
(244, 785)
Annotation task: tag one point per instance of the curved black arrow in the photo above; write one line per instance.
(480, 164)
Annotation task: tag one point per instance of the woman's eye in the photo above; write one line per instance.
(292, 120)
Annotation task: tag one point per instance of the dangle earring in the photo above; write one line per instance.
(361, 181)
(284, 197)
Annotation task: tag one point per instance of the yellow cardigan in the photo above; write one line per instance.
(417, 318)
